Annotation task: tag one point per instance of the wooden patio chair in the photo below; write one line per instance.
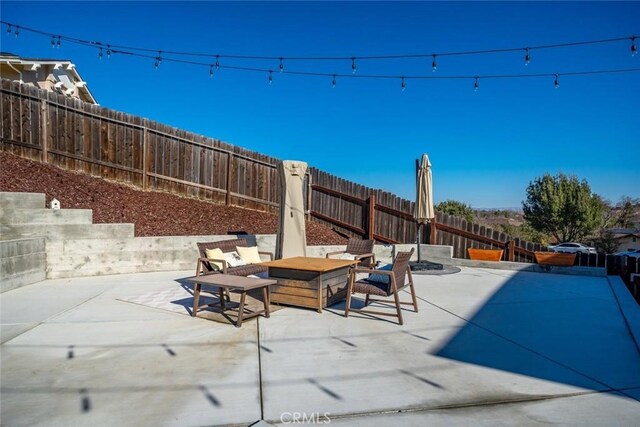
(362, 250)
(376, 285)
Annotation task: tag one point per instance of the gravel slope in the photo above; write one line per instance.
(113, 202)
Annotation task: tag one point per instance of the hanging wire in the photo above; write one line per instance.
(335, 58)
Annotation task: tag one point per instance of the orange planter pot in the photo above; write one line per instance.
(485, 254)
(552, 258)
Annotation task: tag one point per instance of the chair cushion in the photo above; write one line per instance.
(233, 259)
(215, 254)
(246, 270)
(368, 287)
(249, 254)
(382, 278)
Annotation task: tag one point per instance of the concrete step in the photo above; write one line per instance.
(117, 262)
(22, 262)
(67, 231)
(10, 200)
(46, 216)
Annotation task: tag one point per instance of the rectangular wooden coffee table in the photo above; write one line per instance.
(309, 282)
(234, 283)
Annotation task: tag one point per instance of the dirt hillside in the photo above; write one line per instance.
(153, 213)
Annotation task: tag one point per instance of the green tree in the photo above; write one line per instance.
(562, 206)
(456, 208)
(627, 207)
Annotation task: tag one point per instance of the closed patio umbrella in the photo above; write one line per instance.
(424, 211)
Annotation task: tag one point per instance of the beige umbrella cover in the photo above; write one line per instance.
(291, 240)
(424, 211)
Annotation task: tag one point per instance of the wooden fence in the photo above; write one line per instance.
(66, 132)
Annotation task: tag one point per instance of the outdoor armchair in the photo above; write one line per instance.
(362, 250)
(384, 283)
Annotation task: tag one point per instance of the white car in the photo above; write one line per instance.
(572, 248)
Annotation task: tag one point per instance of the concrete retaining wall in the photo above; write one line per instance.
(22, 262)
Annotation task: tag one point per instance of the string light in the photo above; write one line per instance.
(556, 82)
(476, 86)
(434, 65)
(147, 53)
(158, 60)
(281, 65)
(100, 54)
(403, 86)
(270, 77)
(333, 82)
(527, 58)
(53, 41)
(211, 71)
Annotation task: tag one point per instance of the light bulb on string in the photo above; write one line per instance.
(17, 33)
(211, 71)
(100, 54)
(403, 86)
(476, 86)
(281, 65)
(108, 51)
(333, 82)
(270, 77)
(159, 57)
(556, 82)
(634, 48)
(527, 58)
(353, 65)
(8, 28)
(58, 42)
(53, 41)
(217, 62)
(434, 65)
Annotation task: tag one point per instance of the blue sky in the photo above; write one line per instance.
(485, 146)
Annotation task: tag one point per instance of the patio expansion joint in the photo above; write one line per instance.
(627, 323)
(467, 405)
(537, 353)
(40, 323)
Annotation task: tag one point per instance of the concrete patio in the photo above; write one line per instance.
(487, 347)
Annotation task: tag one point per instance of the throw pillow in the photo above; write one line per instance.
(233, 259)
(215, 254)
(347, 255)
(382, 278)
(250, 255)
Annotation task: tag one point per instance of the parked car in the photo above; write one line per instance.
(634, 253)
(572, 248)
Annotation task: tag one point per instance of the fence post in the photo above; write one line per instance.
(433, 233)
(511, 250)
(309, 189)
(44, 130)
(227, 200)
(145, 160)
(371, 228)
